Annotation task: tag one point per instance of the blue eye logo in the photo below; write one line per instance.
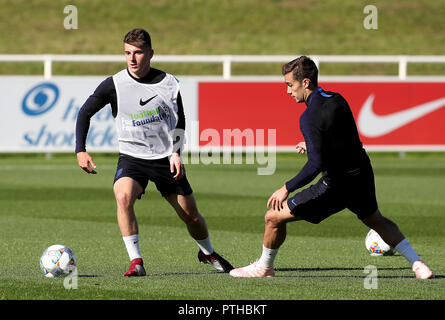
(40, 99)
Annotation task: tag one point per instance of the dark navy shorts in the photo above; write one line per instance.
(355, 191)
(157, 171)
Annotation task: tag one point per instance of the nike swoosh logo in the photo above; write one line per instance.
(143, 103)
(373, 125)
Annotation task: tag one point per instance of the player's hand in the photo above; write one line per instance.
(86, 162)
(277, 198)
(177, 165)
(301, 147)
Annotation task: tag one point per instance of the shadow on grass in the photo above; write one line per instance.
(184, 273)
(344, 269)
(166, 274)
(335, 269)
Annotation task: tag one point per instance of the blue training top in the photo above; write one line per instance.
(332, 140)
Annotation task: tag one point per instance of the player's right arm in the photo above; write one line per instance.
(86, 162)
(104, 94)
(311, 146)
(277, 198)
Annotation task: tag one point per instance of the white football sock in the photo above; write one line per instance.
(205, 246)
(405, 249)
(132, 245)
(267, 257)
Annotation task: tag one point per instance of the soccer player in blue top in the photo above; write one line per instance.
(334, 149)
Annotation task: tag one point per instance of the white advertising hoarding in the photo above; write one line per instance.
(39, 115)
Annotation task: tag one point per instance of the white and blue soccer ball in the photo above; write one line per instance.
(376, 246)
(57, 260)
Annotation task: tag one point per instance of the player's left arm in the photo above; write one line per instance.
(176, 165)
(306, 175)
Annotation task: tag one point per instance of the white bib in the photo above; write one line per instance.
(147, 116)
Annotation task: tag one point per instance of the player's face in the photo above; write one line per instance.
(138, 59)
(294, 87)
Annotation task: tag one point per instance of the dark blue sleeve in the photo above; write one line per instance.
(312, 168)
(104, 94)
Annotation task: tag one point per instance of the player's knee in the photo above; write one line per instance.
(123, 199)
(389, 223)
(190, 216)
(191, 220)
(271, 218)
(373, 219)
(190, 210)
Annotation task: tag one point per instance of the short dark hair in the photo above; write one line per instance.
(138, 37)
(302, 67)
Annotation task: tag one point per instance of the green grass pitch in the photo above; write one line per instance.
(49, 201)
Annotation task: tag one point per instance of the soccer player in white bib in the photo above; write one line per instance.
(147, 106)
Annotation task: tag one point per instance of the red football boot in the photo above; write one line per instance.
(136, 268)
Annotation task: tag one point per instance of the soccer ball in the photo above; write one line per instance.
(376, 246)
(57, 260)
